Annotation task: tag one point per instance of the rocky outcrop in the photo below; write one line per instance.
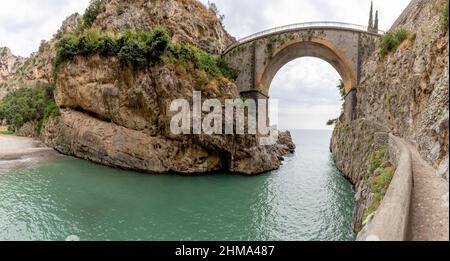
(404, 93)
(37, 69)
(407, 91)
(9, 63)
(118, 116)
(115, 114)
(353, 145)
(188, 21)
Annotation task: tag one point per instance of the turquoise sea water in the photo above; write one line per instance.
(306, 199)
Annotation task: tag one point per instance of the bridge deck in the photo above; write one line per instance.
(302, 26)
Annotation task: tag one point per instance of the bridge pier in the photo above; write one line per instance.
(254, 94)
(257, 95)
(350, 102)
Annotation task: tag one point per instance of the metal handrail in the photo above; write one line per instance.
(308, 25)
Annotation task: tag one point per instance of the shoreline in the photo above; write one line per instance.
(20, 152)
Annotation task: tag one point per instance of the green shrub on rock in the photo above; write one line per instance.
(401, 35)
(382, 173)
(139, 49)
(387, 43)
(390, 41)
(158, 43)
(133, 51)
(91, 13)
(213, 65)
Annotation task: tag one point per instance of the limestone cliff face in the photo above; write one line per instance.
(188, 21)
(118, 116)
(9, 63)
(405, 93)
(408, 90)
(34, 70)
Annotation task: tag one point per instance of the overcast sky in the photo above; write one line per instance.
(305, 88)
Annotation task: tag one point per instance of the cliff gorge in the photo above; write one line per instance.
(403, 92)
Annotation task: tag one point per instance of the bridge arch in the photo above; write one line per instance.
(314, 47)
(258, 57)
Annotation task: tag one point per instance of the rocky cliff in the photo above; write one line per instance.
(9, 63)
(404, 92)
(187, 21)
(119, 121)
(116, 113)
(32, 71)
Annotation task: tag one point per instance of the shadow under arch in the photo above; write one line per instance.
(314, 47)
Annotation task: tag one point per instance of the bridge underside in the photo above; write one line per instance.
(313, 48)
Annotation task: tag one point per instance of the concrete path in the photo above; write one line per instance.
(429, 218)
(17, 152)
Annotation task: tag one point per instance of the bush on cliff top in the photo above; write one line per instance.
(138, 49)
(390, 41)
(134, 48)
(25, 105)
(212, 64)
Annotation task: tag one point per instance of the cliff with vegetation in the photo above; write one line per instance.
(34, 71)
(403, 91)
(9, 63)
(112, 75)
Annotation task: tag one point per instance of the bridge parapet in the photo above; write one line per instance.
(303, 26)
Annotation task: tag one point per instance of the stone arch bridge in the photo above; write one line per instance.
(257, 58)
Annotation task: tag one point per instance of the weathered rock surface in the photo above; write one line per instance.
(405, 93)
(116, 115)
(9, 63)
(352, 146)
(408, 90)
(188, 21)
(36, 69)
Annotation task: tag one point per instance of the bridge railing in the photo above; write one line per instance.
(308, 25)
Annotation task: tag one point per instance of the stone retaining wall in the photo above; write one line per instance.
(390, 222)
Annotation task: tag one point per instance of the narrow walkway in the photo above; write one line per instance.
(429, 218)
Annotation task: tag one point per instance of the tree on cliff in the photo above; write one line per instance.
(91, 13)
(213, 7)
(341, 88)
